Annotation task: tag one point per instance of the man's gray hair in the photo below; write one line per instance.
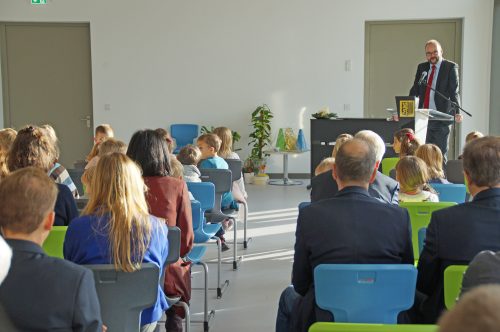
(375, 141)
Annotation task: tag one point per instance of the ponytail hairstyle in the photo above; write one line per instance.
(409, 144)
(118, 192)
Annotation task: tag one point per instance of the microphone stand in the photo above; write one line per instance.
(454, 107)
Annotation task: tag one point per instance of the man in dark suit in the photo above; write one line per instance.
(41, 293)
(456, 234)
(442, 75)
(351, 227)
(382, 188)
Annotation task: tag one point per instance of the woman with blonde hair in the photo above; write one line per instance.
(7, 137)
(412, 175)
(226, 152)
(432, 156)
(116, 227)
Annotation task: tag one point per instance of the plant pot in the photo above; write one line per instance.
(248, 177)
(260, 179)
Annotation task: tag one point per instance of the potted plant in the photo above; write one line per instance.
(248, 170)
(260, 137)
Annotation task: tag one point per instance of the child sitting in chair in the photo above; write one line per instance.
(189, 156)
(413, 177)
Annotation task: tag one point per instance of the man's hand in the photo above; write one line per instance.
(459, 118)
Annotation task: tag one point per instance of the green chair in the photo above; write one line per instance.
(355, 327)
(453, 276)
(389, 164)
(53, 245)
(420, 217)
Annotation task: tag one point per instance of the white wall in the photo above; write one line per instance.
(495, 74)
(158, 62)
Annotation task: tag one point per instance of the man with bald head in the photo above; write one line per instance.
(350, 228)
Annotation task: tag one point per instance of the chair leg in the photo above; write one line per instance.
(221, 286)
(186, 313)
(206, 315)
(245, 219)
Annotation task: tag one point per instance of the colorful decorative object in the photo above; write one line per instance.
(280, 141)
(290, 139)
(301, 142)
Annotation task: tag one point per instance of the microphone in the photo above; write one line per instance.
(422, 78)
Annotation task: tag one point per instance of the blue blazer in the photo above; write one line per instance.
(65, 208)
(454, 236)
(43, 293)
(351, 227)
(383, 188)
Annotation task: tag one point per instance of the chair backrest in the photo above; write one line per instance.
(76, 176)
(421, 238)
(236, 167)
(365, 293)
(453, 276)
(222, 180)
(174, 244)
(197, 215)
(123, 295)
(420, 216)
(454, 192)
(204, 193)
(183, 134)
(53, 245)
(354, 327)
(388, 164)
(454, 170)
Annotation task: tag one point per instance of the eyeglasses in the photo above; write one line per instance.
(432, 53)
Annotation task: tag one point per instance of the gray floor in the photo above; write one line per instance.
(250, 302)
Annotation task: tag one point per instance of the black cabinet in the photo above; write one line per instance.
(325, 132)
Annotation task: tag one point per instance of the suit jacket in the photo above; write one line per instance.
(168, 198)
(383, 188)
(43, 293)
(65, 207)
(447, 83)
(454, 236)
(362, 230)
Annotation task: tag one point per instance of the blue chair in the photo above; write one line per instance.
(183, 134)
(421, 238)
(365, 293)
(450, 192)
(204, 193)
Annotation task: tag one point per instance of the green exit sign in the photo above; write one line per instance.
(38, 2)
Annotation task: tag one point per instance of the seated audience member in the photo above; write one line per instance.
(412, 175)
(477, 311)
(433, 158)
(58, 172)
(168, 138)
(102, 133)
(209, 145)
(7, 137)
(347, 235)
(458, 233)
(383, 188)
(226, 152)
(326, 165)
(108, 146)
(471, 136)
(167, 198)
(405, 143)
(190, 156)
(116, 228)
(32, 147)
(176, 169)
(483, 269)
(41, 293)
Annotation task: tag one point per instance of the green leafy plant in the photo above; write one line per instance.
(261, 135)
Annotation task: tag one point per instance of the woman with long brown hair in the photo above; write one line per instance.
(116, 227)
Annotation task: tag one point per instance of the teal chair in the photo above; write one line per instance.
(53, 245)
(450, 192)
(183, 134)
(453, 276)
(420, 216)
(389, 164)
(365, 293)
(354, 327)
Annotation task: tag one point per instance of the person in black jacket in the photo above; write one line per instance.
(350, 228)
(442, 75)
(41, 293)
